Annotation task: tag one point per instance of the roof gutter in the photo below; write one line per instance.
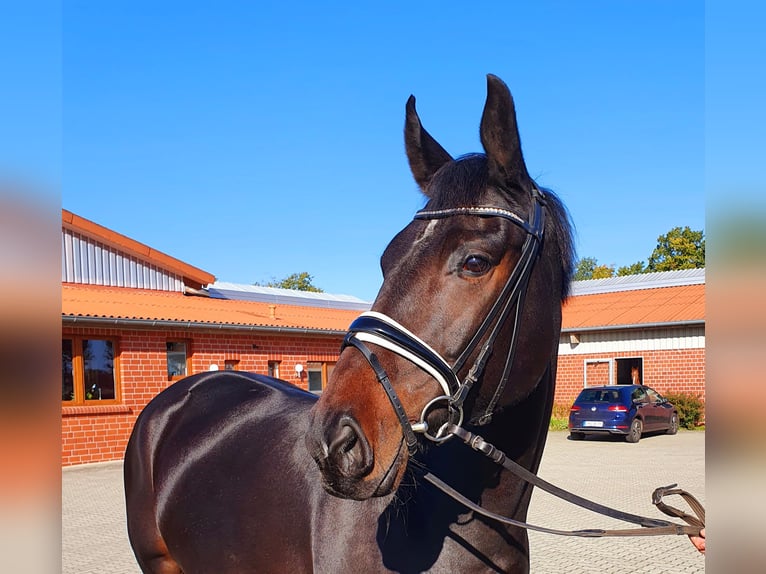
(664, 325)
(153, 323)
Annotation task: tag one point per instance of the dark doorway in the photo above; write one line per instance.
(630, 371)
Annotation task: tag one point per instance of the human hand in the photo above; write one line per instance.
(699, 541)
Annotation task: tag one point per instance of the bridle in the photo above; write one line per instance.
(383, 331)
(377, 328)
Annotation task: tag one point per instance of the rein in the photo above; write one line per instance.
(381, 330)
(649, 526)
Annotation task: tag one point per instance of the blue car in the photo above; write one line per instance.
(628, 410)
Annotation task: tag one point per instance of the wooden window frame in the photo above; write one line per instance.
(78, 372)
(325, 367)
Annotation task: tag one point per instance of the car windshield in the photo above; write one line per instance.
(599, 396)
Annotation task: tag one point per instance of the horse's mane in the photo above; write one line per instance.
(463, 181)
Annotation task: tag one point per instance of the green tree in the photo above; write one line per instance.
(603, 271)
(297, 282)
(584, 268)
(588, 268)
(679, 248)
(633, 269)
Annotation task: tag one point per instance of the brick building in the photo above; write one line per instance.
(135, 319)
(648, 328)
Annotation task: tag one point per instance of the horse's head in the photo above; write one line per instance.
(477, 277)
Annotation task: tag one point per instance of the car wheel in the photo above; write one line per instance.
(576, 435)
(634, 434)
(673, 429)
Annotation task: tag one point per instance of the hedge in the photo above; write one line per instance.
(691, 409)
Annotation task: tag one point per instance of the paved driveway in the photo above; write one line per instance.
(615, 473)
(623, 476)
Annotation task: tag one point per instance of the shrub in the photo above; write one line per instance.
(691, 409)
(559, 418)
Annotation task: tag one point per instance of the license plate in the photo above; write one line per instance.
(593, 423)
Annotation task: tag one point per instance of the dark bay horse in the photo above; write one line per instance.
(235, 472)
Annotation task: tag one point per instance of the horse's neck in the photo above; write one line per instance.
(422, 529)
(520, 432)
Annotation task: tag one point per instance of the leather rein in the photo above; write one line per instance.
(381, 330)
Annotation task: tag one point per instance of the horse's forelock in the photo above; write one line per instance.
(460, 182)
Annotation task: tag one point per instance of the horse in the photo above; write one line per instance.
(237, 472)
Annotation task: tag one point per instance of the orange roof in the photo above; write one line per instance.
(618, 309)
(95, 302)
(107, 236)
(638, 307)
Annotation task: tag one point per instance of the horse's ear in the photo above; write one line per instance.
(500, 137)
(424, 153)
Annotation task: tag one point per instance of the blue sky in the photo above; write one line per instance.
(255, 140)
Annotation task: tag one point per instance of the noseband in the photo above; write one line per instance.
(381, 330)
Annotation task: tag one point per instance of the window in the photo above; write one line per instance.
(318, 375)
(598, 372)
(67, 370)
(88, 370)
(230, 364)
(178, 359)
(274, 369)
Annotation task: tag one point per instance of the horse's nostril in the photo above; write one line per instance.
(350, 444)
(344, 440)
(349, 452)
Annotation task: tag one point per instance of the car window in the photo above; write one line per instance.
(589, 395)
(599, 396)
(639, 395)
(654, 396)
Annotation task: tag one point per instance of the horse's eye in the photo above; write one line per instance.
(476, 265)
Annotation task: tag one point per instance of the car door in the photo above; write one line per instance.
(643, 407)
(654, 411)
(660, 410)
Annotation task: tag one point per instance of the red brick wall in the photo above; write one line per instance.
(597, 373)
(100, 433)
(677, 370)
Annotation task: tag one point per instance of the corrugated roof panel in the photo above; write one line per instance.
(241, 292)
(677, 278)
(87, 261)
